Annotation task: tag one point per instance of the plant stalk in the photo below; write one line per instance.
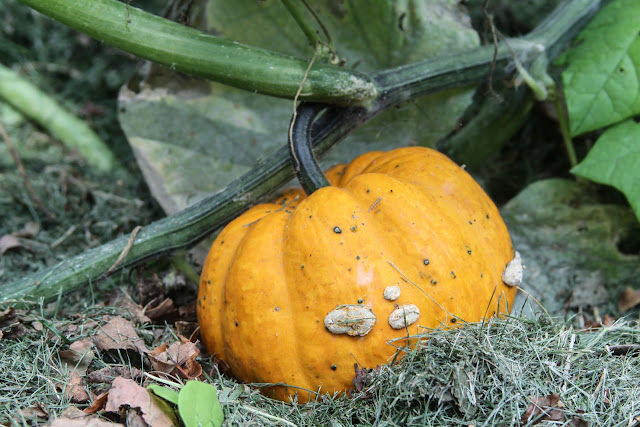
(194, 52)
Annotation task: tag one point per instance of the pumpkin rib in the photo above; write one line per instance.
(395, 216)
(346, 246)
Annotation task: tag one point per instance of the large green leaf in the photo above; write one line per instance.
(192, 137)
(615, 161)
(569, 243)
(601, 80)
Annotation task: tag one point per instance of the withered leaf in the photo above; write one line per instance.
(107, 374)
(9, 241)
(629, 298)
(11, 323)
(78, 357)
(119, 334)
(98, 403)
(165, 311)
(544, 408)
(75, 389)
(179, 359)
(83, 422)
(128, 393)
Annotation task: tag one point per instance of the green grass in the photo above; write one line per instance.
(481, 374)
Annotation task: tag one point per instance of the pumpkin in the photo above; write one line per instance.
(298, 291)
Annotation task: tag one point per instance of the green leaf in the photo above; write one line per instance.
(198, 405)
(192, 137)
(615, 161)
(166, 393)
(568, 240)
(601, 80)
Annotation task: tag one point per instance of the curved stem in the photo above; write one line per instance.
(304, 163)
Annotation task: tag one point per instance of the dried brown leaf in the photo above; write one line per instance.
(629, 298)
(179, 359)
(83, 422)
(9, 241)
(78, 357)
(545, 408)
(119, 334)
(107, 374)
(11, 323)
(98, 403)
(128, 393)
(75, 389)
(123, 301)
(165, 311)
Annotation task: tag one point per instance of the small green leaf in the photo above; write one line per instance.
(198, 405)
(615, 161)
(601, 79)
(166, 393)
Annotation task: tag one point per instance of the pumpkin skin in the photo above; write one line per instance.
(408, 217)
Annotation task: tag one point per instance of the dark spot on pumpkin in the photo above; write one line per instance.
(454, 320)
(434, 282)
(208, 282)
(236, 323)
(368, 191)
(277, 308)
(204, 297)
(470, 222)
(354, 228)
(426, 261)
(487, 216)
(453, 274)
(267, 211)
(310, 216)
(349, 269)
(222, 242)
(397, 166)
(302, 266)
(358, 257)
(334, 367)
(360, 301)
(469, 251)
(337, 230)
(287, 211)
(481, 276)
(391, 190)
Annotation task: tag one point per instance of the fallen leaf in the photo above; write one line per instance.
(35, 412)
(11, 323)
(179, 359)
(98, 403)
(83, 422)
(165, 311)
(128, 393)
(629, 298)
(149, 288)
(9, 241)
(119, 334)
(78, 357)
(107, 374)
(123, 301)
(545, 408)
(75, 389)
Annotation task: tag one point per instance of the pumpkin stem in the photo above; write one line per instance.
(304, 163)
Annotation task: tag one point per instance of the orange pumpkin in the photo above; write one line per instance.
(297, 291)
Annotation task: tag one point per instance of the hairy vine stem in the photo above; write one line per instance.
(366, 97)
